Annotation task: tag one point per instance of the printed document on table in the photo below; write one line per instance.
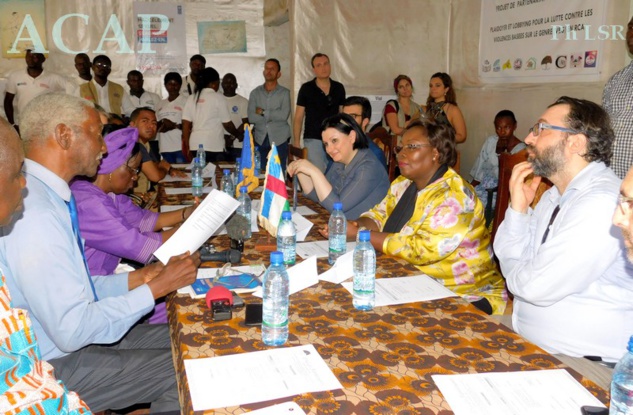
(169, 178)
(342, 269)
(403, 290)
(318, 248)
(238, 379)
(543, 392)
(206, 219)
(291, 408)
(300, 277)
(187, 190)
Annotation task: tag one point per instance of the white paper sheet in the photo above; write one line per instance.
(209, 171)
(342, 269)
(542, 392)
(302, 225)
(404, 290)
(304, 210)
(183, 166)
(169, 178)
(187, 190)
(301, 276)
(291, 408)
(171, 208)
(218, 382)
(318, 248)
(206, 219)
(255, 269)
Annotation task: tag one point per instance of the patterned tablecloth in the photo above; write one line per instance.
(384, 358)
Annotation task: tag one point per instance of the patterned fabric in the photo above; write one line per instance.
(28, 385)
(446, 238)
(617, 100)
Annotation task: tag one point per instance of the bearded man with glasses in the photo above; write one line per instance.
(564, 261)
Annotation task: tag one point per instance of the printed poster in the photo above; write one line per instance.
(222, 37)
(544, 40)
(160, 38)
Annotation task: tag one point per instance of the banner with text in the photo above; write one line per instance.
(160, 38)
(543, 40)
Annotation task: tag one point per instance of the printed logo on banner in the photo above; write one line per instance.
(591, 57)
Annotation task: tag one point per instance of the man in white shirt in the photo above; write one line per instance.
(82, 65)
(140, 98)
(196, 64)
(564, 261)
(24, 85)
(169, 115)
(238, 110)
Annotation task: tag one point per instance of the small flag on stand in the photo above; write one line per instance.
(275, 195)
(246, 175)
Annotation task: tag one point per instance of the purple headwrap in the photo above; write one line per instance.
(120, 144)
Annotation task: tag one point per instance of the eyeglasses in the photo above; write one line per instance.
(410, 147)
(625, 203)
(540, 126)
(133, 172)
(102, 65)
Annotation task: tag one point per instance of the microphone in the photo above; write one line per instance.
(232, 255)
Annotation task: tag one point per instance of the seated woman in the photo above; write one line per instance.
(398, 114)
(356, 178)
(485, 172)
(441, 105)
(112, 226)
(432, 218)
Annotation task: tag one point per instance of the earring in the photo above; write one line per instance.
(110, 177)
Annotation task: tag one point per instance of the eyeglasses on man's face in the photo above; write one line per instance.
(540, 126)
(625, 204)
(407, 148)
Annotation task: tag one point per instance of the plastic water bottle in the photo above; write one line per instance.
(364, 273)
(244, 209)
(226, 184)
(287, 238)
(196, 178)
(622, 384)
(258, 161)
(201, 156)
(337, 226)
(238, 168)
(276, 289)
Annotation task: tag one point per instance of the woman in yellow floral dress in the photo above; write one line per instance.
(432, 218)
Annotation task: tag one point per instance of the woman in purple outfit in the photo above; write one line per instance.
(112, 226)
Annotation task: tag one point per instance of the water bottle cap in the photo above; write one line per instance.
(338, 206)
(363, 235)
(196, 160)
(244, 189)
(630, 348)
(286, 215)
(226, 172)
(276, 258)
(239, 159)
(200, 146)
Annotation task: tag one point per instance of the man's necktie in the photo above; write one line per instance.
(72, 208)
(549, 225)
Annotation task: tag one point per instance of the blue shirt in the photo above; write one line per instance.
(274, 121)
(46, 274)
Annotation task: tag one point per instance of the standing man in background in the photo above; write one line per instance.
(28, 84)
(196, 64)
(616, 100)
(82, 65)
(140, 98)
(268, 111)
(109, 95)
(317, 100)
(238, 107)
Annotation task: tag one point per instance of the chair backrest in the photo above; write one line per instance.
(507, 162)
(297, 153)
(387, 143)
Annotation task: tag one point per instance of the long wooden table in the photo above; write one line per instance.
(383, 358)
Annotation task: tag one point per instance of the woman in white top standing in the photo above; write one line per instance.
(205, 118)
